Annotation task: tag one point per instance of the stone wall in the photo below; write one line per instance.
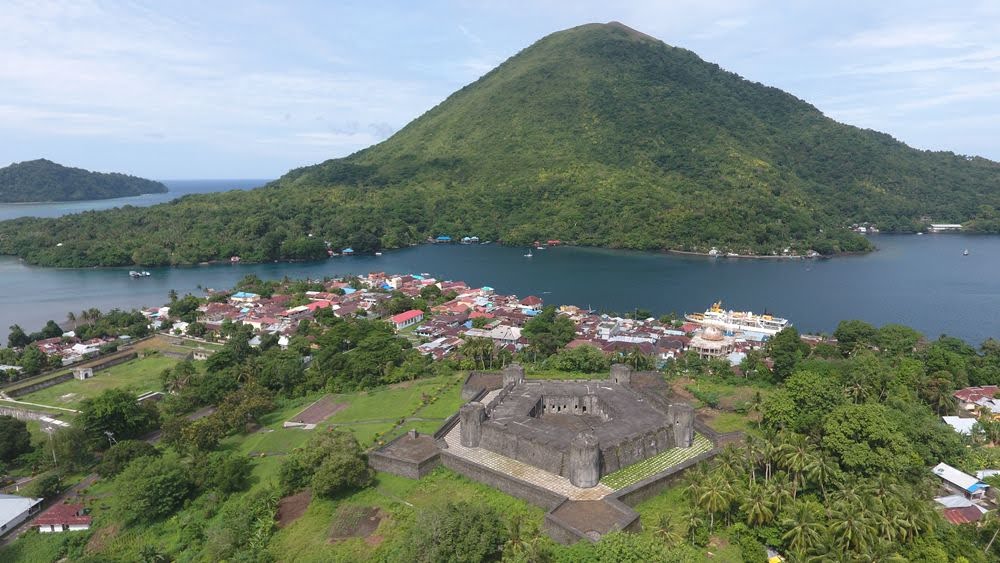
(40, 385)
(402, 467)
(67, 376)
(22, 414)
(547, 456)
(536, 495)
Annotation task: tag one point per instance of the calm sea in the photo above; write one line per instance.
(175, 189)
(921, 281)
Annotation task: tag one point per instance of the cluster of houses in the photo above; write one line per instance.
(470, 313)
(966, 497)
(71, 349)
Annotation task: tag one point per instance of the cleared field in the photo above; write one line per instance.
(368, 414)
(138, 376)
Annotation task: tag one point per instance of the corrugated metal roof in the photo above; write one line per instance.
(962, 480)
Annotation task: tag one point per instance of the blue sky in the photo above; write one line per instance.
(251, 89)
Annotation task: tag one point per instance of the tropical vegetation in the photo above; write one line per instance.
(597, 135)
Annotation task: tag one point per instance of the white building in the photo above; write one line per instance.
(15, 509)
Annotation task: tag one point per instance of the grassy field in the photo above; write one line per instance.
(138, 376)
(367, 414)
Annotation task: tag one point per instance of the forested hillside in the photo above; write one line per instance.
(44, 180)
(598, 135)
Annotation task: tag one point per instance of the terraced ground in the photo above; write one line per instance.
(651, 466)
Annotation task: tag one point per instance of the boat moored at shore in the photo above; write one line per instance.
(739, 321)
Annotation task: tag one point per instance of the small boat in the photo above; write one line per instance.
(134, 274)
(378, 254)
(965, 252)
(529, 254)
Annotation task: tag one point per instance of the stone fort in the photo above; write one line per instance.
(571, 447)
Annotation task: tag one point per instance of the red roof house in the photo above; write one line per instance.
(63, 518)
(406, 319)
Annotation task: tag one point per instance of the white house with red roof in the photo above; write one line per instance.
(532, 303)
(63, 518)
(408, 318)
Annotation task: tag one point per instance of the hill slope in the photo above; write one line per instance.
(44, 180)
(598, 135)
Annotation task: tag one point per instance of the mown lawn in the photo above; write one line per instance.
(138, 376)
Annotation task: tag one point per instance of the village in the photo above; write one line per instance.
(441, 329)
(440, 319)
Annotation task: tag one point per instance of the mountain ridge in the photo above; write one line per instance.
(41, 180)
(598, 135)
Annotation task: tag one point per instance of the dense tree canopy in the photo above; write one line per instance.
(44, 180)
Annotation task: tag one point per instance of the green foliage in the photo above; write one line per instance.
(786, 349)
(46, 486)
(151, 488)
(116, 412)
(583, 359)
(14, 438)
(243, 528)
(456, 532)
(547, 331)
(865, 439)
(595, 135)
(223, 472)
(118, 456)
(44, 180)
(331, 462)
(853, 334)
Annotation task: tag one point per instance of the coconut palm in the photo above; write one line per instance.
(71, 319)
(752, 453)
(850, 531)
(805, 531)
(694, 519)
(823, 471)
(758, 506)
(780, 488)
(794, 455)
(666, 530)
(715, 498)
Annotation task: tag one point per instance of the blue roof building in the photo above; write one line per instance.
(443, 238)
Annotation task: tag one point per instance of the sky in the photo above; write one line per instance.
(246, 89)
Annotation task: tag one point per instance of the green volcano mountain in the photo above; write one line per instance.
(597, 135)
(44, 180)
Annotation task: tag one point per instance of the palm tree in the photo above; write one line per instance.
(794, 456)
(667, 531)
(71, 319)
(822, 471)
(758, 506)
(715, 498)
(172, 295)
(850, 531)
(752, 452)
(694, 520)
(805, 531)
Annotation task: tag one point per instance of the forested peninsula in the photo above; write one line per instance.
(43, 180)
(598, 135)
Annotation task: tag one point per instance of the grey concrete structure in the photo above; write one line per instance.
(550, 442)
(621, 374)
(536, 422)
(513, 374)
(472, 416)
(585, 460)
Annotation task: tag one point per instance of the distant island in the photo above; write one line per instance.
(43, 181)
(595, 136)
